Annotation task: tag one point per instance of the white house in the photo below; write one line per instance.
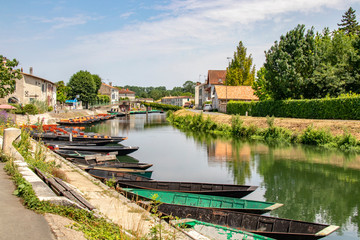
(176, 100)
(30, 88)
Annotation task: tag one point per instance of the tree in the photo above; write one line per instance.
(260, 85)
(97, 81)
(8, 76)
(82, 84)
(62, 92)
(348, 22)
(240, 70)
(290, 64)
(333, 74)
(189, 86)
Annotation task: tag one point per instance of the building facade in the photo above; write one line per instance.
(176, 100)
(205, 91)
(126, 94)
(32, 88)
(109, 90)
(223, 94)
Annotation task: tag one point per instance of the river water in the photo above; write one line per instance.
(314, 185)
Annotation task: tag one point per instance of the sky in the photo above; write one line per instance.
(151, 43)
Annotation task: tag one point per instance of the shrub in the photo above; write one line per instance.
(31, 109)
(41, 106)
(312, 136)
(343, 107)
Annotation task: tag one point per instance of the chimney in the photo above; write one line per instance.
(31, 71)
(22, 70)
(110, 83)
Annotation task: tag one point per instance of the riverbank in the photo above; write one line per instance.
(335, 127)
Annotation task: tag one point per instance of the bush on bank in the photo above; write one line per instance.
(271, 134)
(162, 106)
(344, 107)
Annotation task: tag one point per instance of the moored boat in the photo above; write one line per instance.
(80, 154)
(205, 201)
(121, 150)
(278, 228)
(109, 164)
(116, 174)
(226, 190)
(213, 231)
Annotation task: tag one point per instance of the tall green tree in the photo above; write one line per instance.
(348, 22)
(82, 84)
(290, 64)
(62, 92)
(260, 85)
(8, 76)
(241, 70)
(333, 74)
(189, 86)
(97, 81)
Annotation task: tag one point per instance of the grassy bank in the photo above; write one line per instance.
(235, 128)
(92, 226)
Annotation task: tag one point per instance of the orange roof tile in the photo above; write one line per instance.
(126, 91)
(215, 75)
(236, 93)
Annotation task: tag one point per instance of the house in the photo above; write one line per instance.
(204, 91)
(126, 93)
(30, 88)
(223, 94)
(176, 100)
(109, 90)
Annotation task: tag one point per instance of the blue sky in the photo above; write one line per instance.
(151, 43)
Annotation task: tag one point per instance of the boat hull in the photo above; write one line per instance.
(278, 228)
(225, 190)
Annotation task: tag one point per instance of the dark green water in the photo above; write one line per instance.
(314, 185)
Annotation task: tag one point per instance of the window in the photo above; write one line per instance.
(43, 87)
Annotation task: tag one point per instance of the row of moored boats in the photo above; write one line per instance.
(202, 207)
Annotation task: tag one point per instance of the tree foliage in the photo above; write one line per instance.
(62, 92)
(8, 76)
(82, 84)
(97, 81)
(348, 22)
(241, 70)
(305, 65)
(290, 63)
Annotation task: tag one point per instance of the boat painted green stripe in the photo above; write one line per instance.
(214, 231)
(199, 200)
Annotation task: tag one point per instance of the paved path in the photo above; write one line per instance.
(17, 222)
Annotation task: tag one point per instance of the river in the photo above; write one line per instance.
(314, 185)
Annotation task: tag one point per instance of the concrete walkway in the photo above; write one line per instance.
(17, 222)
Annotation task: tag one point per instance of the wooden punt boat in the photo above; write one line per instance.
(278, 228)
(78, 143)
(50, 136)
(193, 227)
(109, 164)
(80, 154)
(225, 190)
(116, 174)
(205, 201)
(121, 150)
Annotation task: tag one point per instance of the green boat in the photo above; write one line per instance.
(204, 201)
(193, 228)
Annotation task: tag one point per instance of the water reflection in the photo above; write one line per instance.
(314, 184)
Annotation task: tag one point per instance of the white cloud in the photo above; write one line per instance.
(64, 22)
(185, 40)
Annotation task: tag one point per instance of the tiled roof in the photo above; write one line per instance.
(173, 97)
(235, 93)
(215, 75)
(109, 86)
(26, 74)
(126, 91)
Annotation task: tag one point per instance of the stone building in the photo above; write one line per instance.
(109, 90)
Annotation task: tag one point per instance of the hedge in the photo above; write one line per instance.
(162, 106)
(327, 108)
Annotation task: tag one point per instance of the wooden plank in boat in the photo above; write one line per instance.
(105, 158)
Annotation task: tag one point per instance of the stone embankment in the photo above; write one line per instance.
(136, 221)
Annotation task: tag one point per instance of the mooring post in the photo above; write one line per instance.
(10, 134)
